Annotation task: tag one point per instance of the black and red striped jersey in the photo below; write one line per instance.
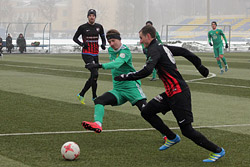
(90, 36)
(161, 57)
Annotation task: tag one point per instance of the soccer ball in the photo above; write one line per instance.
(70, 150)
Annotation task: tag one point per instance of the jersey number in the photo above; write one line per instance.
(170, 55)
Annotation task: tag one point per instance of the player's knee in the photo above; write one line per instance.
(147, 111)
(99, 100)
(187, 130)
(221, 56)
(94, 74)
(217, 58)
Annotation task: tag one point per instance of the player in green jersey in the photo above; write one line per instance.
(120, 63)
(145, 49)
(215, 34)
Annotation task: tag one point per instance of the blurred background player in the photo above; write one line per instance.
(176, 98)
(9, 44)
(145, 49)
(217, 44)
(90, 32)
(120, 63)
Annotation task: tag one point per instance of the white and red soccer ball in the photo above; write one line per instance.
(70, 150)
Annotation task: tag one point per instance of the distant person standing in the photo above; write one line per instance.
(21, 43)
(145, 49)
(90, 32)
(217, 44)
(9, 44)
(1, 47)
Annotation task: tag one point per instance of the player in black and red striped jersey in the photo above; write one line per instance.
(177, 96)
(90, 33)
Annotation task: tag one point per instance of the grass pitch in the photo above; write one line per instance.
(39, 112)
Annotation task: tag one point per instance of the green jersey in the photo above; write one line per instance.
(157, 37)
(121, 63)
(216, 37)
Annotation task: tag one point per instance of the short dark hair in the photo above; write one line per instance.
(214, 22)
(148, 30)
(149, 22)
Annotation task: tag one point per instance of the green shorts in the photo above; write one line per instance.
(131, 94)
(218, 51)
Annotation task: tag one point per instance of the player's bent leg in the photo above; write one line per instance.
(106, 99)
(86, 87)
(225, 62)
(149, 113)
(199, 139)
(94, 77)
(141, 104)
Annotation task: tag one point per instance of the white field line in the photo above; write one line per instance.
(116, 130)
(215, 84)
(212, 75)
(55, 69)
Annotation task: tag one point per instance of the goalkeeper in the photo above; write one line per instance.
(120, 63)
(215, 34)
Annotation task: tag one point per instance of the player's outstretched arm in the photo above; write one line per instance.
(152, 59)
(111, 65)
(134, 75)
(190, 56)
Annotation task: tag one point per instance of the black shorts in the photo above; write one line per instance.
(179, 104)
(90, 59)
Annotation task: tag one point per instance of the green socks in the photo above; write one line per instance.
(99, 113)
(154, 73)
(224, 60)
(219, 63)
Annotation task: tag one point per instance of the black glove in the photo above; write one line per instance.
(103, 47)
(145, 51)
(91, 66)
(226, 45)
(84, 45)
(203, 71)
(124, 77)
(210, 43)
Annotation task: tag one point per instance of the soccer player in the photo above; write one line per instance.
(120, 63)
(217, 44)
(90, 32)
(145, 49)
(177, 96)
